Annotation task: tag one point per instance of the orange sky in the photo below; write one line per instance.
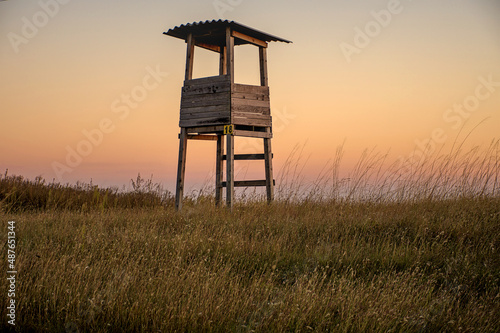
(384, 74)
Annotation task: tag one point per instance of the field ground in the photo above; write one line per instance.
(346, 267)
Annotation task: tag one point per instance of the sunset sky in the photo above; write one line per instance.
(372, 74)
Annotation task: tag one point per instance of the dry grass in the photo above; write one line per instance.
(20, 194)
(421, 258)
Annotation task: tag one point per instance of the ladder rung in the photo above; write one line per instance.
(239, 157)
(248, 183)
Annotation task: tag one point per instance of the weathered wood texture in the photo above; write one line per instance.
(229, 54)
(249, 183)
(201, 137)
(230, 171)
(253, 134)
(246, 157)
(189, 57)
(264, 80)
(249, 39)
(222, 61)
(219, 170)
(205, 129)
(215, 101)
(250, 105)
(206, 102)
(181, 169)
(268, 153)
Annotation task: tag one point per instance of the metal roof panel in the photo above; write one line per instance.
(213, 32)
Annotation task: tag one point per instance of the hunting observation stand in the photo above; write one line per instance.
(216, 108)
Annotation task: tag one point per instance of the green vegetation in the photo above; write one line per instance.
(424, 262)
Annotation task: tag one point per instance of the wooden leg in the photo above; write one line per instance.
(219, 169)
(181, 169)
(268, 156)
(230, 171)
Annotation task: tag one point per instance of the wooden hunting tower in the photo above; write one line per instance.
(215, 107)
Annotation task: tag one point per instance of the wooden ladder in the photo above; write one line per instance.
(228, 134)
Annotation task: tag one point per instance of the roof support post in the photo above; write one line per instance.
(189, 57)
(229, 54)
(264, 80)
(222, 65)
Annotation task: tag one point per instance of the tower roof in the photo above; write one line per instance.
(214, 32)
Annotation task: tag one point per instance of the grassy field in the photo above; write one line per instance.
(91, 259)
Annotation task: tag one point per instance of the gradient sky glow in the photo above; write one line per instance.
(72, 73)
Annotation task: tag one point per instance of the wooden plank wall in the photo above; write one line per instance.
(206, 102)
(250, 105)
(214, 101)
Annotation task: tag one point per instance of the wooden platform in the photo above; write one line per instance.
(214, 101)
(238, 130)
